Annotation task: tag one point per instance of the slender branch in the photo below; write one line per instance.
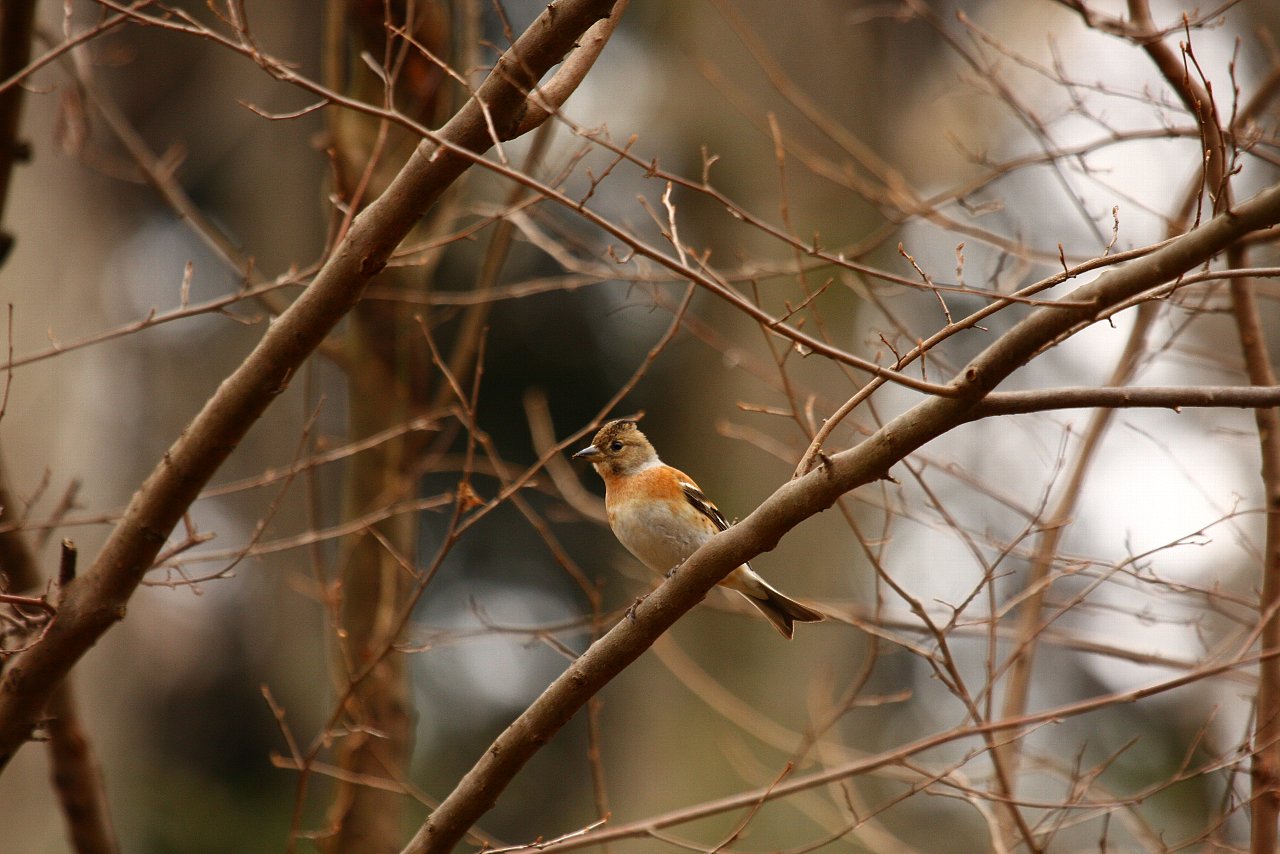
(896, 756)
(701, 276)
(1265, 769)
(1197, 99)
(811, 454)
(1151, 397)
(1028, 617)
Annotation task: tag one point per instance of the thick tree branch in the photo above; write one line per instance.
(99, 598)
(550, 96)
(808, 495)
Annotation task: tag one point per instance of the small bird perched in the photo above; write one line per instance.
(662, 517)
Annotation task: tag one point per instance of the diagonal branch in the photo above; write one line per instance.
(96, 601)
(1128, 397)
(810, 494)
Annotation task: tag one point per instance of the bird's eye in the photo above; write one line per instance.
(615, 446)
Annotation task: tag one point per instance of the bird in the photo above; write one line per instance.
(661, 516)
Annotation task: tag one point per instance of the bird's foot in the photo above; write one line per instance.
(631, 612)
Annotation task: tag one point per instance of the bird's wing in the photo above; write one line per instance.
(703, 505)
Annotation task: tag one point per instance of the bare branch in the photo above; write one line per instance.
(1127, 397)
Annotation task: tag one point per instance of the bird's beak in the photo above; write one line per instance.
(590, 453)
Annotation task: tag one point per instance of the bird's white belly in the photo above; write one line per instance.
(655, 537)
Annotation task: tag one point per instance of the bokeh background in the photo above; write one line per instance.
(173, 697)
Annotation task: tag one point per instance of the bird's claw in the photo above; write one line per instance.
(631, 612)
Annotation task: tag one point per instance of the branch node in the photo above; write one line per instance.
(67, 565)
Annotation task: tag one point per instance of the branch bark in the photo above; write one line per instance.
(805, 496)
(97, 600)
(1128, 397)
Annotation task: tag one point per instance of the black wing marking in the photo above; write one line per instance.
(704, 506)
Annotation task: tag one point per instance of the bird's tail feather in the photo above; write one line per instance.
(781, 610)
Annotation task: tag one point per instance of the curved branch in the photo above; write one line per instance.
(1193, 94)
(95, 602)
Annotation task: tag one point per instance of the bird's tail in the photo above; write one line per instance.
(777, 607)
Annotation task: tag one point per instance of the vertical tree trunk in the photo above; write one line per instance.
(373, 586)
(384, 342)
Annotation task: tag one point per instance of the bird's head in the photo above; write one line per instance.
(619, 448)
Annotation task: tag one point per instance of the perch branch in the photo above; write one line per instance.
(798, 499)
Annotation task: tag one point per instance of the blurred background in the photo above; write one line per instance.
(983, 138)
